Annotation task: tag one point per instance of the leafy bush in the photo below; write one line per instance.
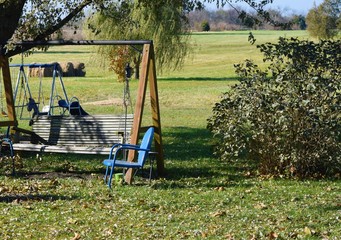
(286, 117)
(205, 26)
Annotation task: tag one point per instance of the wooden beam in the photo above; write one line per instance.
(7, 123)
(141, 95)
(4, 64)
(148, 73)
(139, 106)
(155, 108)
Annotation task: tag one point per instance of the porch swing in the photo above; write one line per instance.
(70, 129)
(24, 98)
(147, 77)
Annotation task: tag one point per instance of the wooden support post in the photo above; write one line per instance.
(148, 72)
(155, 107)
(138, 112)
(4, 64)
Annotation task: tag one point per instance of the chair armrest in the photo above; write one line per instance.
(6, 139)
(127, 147)
(121, 146)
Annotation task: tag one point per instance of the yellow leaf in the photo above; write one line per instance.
(77, 236)
(307, 231)
(260, 206)
(72, 221)
(218, 214)
(273, 235)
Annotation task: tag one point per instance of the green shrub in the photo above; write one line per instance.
(205, 26)
(286, 117)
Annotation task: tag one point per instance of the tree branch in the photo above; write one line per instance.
(51, 30)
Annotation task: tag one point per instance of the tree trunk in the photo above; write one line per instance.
(137, 71)
(137, 62)
(10, 12)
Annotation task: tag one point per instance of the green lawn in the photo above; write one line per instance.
(64, 197)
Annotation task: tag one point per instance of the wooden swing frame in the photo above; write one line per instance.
(147, 75)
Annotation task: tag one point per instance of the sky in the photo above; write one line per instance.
(287, 6)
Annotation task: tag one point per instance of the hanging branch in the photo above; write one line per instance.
(263, 15)
(42, 36)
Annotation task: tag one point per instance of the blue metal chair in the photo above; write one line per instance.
(120, 149)
(7, 141)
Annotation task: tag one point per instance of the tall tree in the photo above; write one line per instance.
(165, 23)
(38, 19)
(35, 20)
(323, 20)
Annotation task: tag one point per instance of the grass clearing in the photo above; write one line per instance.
(64, 197)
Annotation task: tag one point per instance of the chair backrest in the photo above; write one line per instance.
(146, 144)
(63, 103)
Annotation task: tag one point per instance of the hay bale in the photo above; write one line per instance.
(43, 72)
(79, 69)
(33, 72)
(67, 69)
(48, 71)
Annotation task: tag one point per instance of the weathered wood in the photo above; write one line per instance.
(155, 107)
(4, 64)
(60, 149)
(7, 123)
(77, 134)
(148, 72)
(139, 107)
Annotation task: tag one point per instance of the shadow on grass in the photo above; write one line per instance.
(189, 156)
(31, 197)
(198, 79)
(188, 160)
(332, 208)
(183, 143)
(59, 174)
(50, 166)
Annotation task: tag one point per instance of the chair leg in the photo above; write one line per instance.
(136, 170)
(106, 175)
(150, 172)
(151, 162)
(10, 145)
(110, 176)
(12, 156)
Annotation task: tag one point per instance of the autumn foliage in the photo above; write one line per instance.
(119, 57)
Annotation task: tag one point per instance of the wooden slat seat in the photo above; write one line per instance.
(89, 134)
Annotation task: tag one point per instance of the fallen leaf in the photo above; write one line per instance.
(273, 235)
(229, 237)
(77, 236)
(219, 189)
(28, 207)
(72, 221)
(219, 214)
(260, 206)
(307, 231)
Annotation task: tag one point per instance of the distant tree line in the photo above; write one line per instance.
(322, 21)
(222, 20)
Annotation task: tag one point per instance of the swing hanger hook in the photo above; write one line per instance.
(128, 71)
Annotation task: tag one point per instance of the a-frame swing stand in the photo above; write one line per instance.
(12, 120)
(147, 75)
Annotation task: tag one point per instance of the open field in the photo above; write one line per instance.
(64, 197)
